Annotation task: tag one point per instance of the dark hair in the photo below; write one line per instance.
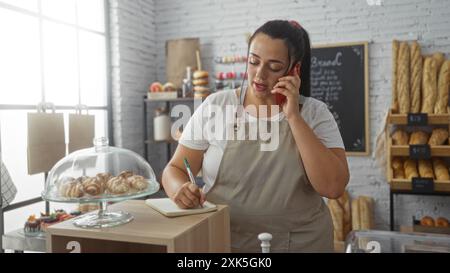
(299, 49)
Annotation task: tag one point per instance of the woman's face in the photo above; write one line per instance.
(268, 61)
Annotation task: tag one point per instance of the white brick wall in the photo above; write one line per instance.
(219, 23)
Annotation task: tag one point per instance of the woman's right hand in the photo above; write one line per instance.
(189, 196)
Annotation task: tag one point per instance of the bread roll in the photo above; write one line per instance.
(400, 137)
(441, 106)
(395, 48)
(416, 77)
(429, 86)
(403, 81)
(344, 202)
(442, 222)
(337, 215)
(410, 167)
(418, 138)
(427, 221)
(426, 169)
(440, 169)
(356, 222)
(438, 137)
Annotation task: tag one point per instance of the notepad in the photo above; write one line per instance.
(168, 208)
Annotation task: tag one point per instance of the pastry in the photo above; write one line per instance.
(394, 104)
(72, 189)
(103, 177)
(200, 74)
(337, 215)
(440, 169)
(442, 222)
(118, 185)
(125, 174)
(429, 85)
(403, 78)
(400, 137)
(410, 167)
(93, 186)
(438, 137)
(416, 77)
(418, 138)
(426, 169)
(397, 168)
(137, 182)
(441, 106)
(32, 225)
(169, 87)
(427, 221)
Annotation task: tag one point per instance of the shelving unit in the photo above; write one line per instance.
(405, 186)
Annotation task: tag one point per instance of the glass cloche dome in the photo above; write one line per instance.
(100, 174)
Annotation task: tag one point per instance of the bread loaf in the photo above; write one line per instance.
(441, 106)
(416, 77)
(429, 86)
(403, 78)
(394, 104)
(344, 202)
(440, 59)
(366, 212)
(418, 138)
(356, 222)
(410, 167)
(400, 137)
(337, 215)
(438, 137)
(440, 169)
(426, 169)
(397, 168)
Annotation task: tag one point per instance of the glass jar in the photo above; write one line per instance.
(161, 125)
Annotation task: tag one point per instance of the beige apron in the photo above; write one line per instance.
(268, 191)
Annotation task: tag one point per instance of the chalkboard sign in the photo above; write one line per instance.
(339, 77)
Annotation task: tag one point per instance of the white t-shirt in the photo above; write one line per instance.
(314, 112)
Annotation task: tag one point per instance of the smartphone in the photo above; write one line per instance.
(279, 98)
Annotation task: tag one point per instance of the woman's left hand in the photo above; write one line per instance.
(289, 86)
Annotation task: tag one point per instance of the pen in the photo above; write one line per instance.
(191, 176)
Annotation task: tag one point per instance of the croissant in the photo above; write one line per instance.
(93, 186)
(400, 137)
(418, 138)
(410, 167)
(440, 169)
(438, 137)
(72, 190)
(426, 169)
(126, 174)
(117, 185)
(138, 182)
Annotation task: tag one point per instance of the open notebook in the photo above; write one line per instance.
(168, 208)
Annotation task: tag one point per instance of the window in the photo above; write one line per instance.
(51, 51)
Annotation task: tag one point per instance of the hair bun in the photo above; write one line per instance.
(295, 24)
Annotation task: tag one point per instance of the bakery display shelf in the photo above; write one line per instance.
(436, 151)
(169, 100)
(440, 186)
(433, 119)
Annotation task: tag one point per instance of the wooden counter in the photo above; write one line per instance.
(149, 231)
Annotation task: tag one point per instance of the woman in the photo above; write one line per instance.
(275, 191)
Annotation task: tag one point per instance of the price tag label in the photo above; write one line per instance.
(419, 119)
(420, 151)
(422, 185)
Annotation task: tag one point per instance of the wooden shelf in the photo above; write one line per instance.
(433, 119)
(406, 185)
(170, 100)
(151, 141)
(443, 150)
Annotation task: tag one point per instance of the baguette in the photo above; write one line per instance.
(356, 223)
(429, 86)
(337, 215)
(441, 106)
(344, 202)
(366, 212)
(403, 82)
(416, 77)
(440, 59)
(395, 48)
